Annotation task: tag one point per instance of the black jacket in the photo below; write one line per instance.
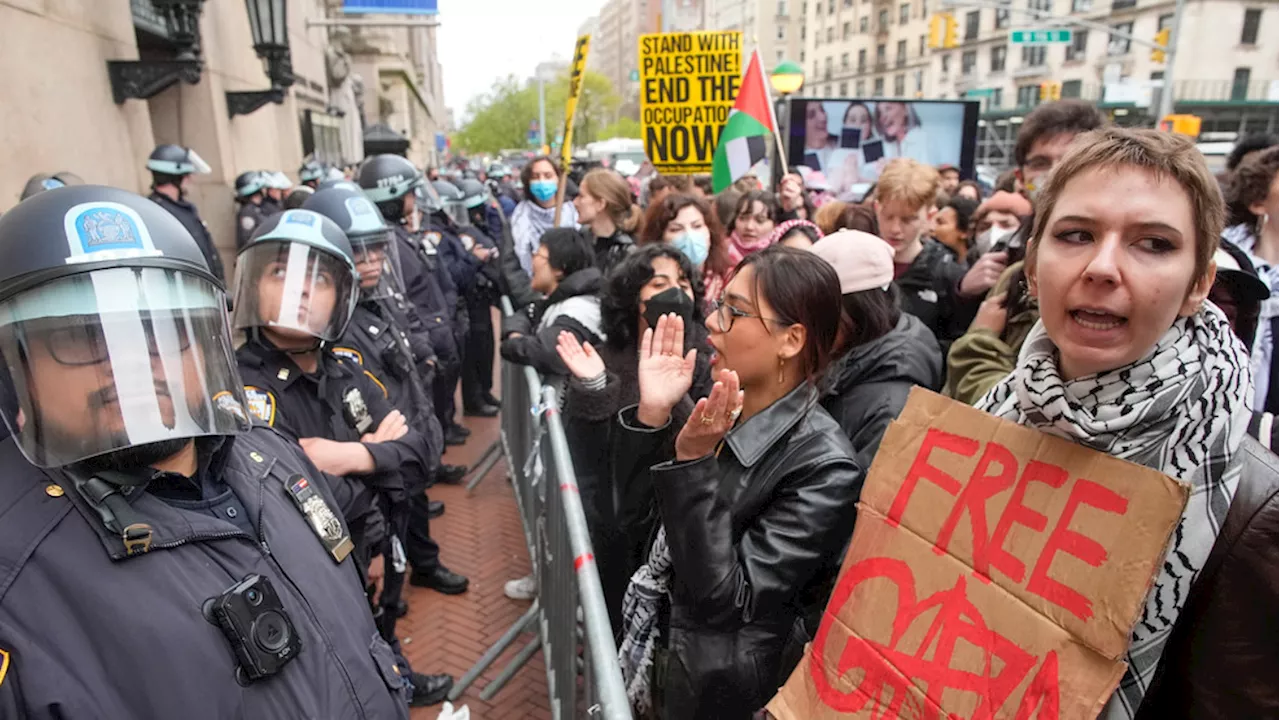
(87, 630)
(618, 499)
(756, 534)
(190, 219)
(248, 217)
(929, 291)
(425, 291)
(871, 383)
(574, 306)
(1220, 660)
(609, 251)
(376, 343)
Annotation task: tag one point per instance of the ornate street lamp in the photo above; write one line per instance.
(142, 79)
(269, 25)
(786, 78)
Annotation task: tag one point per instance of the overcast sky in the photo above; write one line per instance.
(483, 40)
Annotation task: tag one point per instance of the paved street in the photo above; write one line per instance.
(480, 536)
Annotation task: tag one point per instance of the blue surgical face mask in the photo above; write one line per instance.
(695, 244)
(543, 190)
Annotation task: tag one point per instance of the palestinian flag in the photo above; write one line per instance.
(745, 139)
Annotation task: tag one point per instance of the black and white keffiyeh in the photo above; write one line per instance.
(1183, 410)
(641, 608)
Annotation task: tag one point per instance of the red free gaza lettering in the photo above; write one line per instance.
(984, 483)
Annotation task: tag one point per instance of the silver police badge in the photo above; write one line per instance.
(356, 410)
(322, 519)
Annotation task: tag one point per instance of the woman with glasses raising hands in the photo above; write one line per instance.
(755, 507)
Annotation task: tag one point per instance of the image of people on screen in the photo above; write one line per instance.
(850, 141)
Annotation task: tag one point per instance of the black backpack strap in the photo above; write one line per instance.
(25, 523)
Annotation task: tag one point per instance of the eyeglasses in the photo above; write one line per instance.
(87, 344)
(726, 314)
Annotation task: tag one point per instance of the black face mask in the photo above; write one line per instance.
(671, 300)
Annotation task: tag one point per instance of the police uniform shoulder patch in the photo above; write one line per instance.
(228, 403)
(246, 222)
(4, 664)
(378, 382)
(351, 354)
(432, 237)
(262, 404)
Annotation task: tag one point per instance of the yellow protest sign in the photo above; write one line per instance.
(688, 82)
(575, 91)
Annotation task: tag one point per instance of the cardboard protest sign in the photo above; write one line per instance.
(688, 82)
(994, 572)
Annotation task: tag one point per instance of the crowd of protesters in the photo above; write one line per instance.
(730, 364)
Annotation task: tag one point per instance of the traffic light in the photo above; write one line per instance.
(1188, 125)
(942, 31)
(1050, 90)
(1162, 39)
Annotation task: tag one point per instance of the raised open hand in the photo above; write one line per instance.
(665, 371)
(712, 418)
(581, 359)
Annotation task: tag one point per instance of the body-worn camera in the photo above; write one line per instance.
(254, 621)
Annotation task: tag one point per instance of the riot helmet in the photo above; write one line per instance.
(250, 183)
(386, 179)
(311, 172)
(169, 164)
(297, 197)
(375, 253)
(498, 171)
(295, 280)
(454, 201)
(44, 181)
(113, 330)
(474, 193)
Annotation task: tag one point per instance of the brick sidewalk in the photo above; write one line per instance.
(480, 536)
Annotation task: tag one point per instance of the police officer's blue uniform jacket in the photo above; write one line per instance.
(248, 218)
(460, 263)
(376, 343)
(187, 214)
(340, 402)
(89, 631)
(424, 288)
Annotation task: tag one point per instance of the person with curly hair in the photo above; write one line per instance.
(655, 280)
(1253, 208)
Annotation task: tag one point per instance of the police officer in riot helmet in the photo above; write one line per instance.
(296, 290)
(377, 339)
(251, 188)
(477, 369)
(440, 223)
(311, 173)
(396, 187)
(171, 169)
(168, 550)
(278, 185)
(44, 181)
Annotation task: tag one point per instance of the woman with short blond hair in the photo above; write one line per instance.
(1128, 358)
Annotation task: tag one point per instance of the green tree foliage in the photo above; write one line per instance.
(500, 118)
(625, 127)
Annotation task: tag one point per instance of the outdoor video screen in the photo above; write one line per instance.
(850, 140)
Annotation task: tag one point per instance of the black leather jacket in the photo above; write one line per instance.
(756, 533)
(1221, 660)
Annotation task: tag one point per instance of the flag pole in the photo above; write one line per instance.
(773, 116)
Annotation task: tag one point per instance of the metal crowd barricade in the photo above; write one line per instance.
(568, 617)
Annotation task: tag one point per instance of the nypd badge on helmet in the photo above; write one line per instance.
(106, 231)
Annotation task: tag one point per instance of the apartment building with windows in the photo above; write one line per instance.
(1226, 64)
(866, 48)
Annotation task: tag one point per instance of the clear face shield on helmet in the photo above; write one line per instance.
(457, 211)
(378, 265)
(117, 358)
(295, 291)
